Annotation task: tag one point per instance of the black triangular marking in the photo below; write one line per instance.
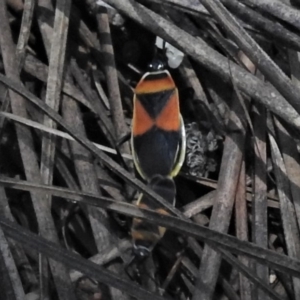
(155, 102)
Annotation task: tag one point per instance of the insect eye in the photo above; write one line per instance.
(156, 65)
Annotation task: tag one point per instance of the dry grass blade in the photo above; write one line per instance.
(287, 209)
(259, 21)
(223, 203)
(266, 289)
(104, 236)
(263, 62)
(210, 59)
(39, 70)
(55, 132)
(104, 122)
(206, 201)
(27, 275)
(291, 161)
(230, 292)
(248, 15)
(54, 84)
(288, 145)
(241, 222)
(30, 162)
(278, 9)
(24, 32)
(105, 257)
(45, 19)
(248, 275)
(259, 208)
(215, 238)
(12, 288)
(199, 205)
(87, 175)
(111, 75)
(74, 261)
(193, 82)
(21, 47)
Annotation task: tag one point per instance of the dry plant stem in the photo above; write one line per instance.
(191, 78)
(104, 122)
(285, 279)
(276, 261)
(229, 291)
(26, 273)
(72, 260)
(209, 58)
(250, 16)
(113, 192)
(10, 280)
(65, 172)
(112, 78)
(287, 144)
(199, 205)
(54, 84)
(259, 207)
(187, 3)
(21, 48)
(44, 218)
(278, 9)
(24, 32)
(273, 28)
(223, 203)
(241, 223)
(45, 20)
(105, 257)
(11, 286)
(244, 270)
(86, 174)
(240, 267)
(88, 38)
(39, 70)
(263, 62)
(291, 160)
(230, 49)
(206, 201)
(247, 273)
(100, 90)
(214, 184)
(290, 227)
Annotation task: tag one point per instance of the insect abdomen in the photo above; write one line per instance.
(146, 235)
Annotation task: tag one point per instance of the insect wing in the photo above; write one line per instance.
(158, 137)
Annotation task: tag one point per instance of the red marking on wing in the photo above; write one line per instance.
(155, 85)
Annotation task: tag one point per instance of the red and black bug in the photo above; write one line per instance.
(158, 149)
(158, 134)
